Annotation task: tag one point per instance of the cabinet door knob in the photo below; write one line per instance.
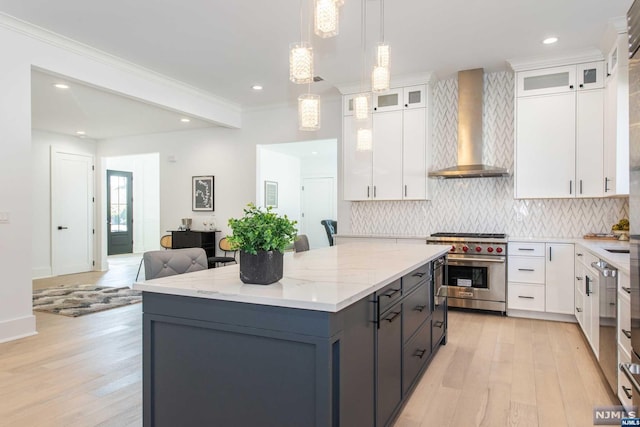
(570, 86)
(581, 85)
(406, 105)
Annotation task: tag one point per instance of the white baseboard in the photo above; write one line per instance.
(14, 329)
(41, 273)
(539, 315)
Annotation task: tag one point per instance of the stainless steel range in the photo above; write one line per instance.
(476, 274)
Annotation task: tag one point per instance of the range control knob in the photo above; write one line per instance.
(465, 248)
(499, 250)
(453, 248)
(478, 249)
(489, 249)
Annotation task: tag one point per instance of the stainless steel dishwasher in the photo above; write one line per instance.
(608, 322)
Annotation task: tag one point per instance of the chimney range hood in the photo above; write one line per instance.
(470, 88)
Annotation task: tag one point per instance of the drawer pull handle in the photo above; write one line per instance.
(390, 293)
(418, 274)
(578, 309)
(525, 297)
(626, 333)
(438, 324)
(579, 278)
(627, 290)
(420, 353)
(393, 317)
(420, 308)
(526, 249)
(578, 254)
(627, 391)
(526, 269)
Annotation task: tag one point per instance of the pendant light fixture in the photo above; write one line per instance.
(326, 18)
(301, 59)
(362, 101)
(309, 112)
(380, 77)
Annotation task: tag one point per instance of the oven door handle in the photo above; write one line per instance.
(462, 261)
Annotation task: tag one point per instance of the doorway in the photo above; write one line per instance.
(119, 212)
(318, 203)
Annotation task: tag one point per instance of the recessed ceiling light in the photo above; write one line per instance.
(61, 86)
(80, 132)
(256, 87)
(314, 153)
(550, 40)
(185, 120)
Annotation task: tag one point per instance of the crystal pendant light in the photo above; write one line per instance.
(383, 55)
(301, 62)
(364, 139)
(361, 106)
(326, 18)
(309, 112)
(380, 79)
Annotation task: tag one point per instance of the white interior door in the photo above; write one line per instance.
(71, 213)
(318, 203)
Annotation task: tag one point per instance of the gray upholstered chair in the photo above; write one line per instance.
(301, 243)
(173, 261)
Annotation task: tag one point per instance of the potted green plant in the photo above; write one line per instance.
(261, 237)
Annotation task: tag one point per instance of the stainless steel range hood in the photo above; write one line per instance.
(470, 88)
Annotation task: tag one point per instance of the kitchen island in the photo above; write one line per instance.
(341, 340)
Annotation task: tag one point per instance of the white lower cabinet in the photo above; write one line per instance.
(541, 277)
(587, 307)
(624, 338)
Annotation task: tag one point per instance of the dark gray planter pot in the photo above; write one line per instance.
(261, 269)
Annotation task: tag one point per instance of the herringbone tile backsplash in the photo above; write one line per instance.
(483, 204)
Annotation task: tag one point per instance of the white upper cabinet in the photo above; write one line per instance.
(560, 79)
(394, 166)
(616, 121)
(414, 97)
(388, 101)
(545, 146)
(560, 132)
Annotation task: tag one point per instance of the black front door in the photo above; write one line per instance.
(119, 212)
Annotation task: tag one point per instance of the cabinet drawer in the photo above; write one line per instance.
(624, 385)
(438, 323)
(418, 275)
(526, 269)
(526, 248)
(416, 353)
(526, 297)
(415, 310)
(388, 295)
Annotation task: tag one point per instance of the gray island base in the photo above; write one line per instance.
(210, 358)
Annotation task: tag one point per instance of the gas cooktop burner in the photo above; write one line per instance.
(474, 235)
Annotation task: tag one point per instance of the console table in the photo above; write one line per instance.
(195, 239)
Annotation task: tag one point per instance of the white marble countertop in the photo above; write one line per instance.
(326, 279)
(599, 249)
(381, 236)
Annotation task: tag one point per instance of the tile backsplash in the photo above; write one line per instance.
(483, 204)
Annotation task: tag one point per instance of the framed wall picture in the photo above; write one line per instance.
(202, 193)
(271, 194)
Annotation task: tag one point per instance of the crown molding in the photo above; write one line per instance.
(547, 61)
(396, 82)
(41, 34)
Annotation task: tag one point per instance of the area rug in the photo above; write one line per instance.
(78, 300)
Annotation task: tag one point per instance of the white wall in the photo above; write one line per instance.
(145, 170)
(285, 170)
(22, 48)
(41, 192)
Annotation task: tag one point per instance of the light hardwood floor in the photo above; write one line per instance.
(494, 371)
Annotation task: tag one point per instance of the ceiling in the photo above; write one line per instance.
(304, 149)
(225, 47)
(96, 112)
